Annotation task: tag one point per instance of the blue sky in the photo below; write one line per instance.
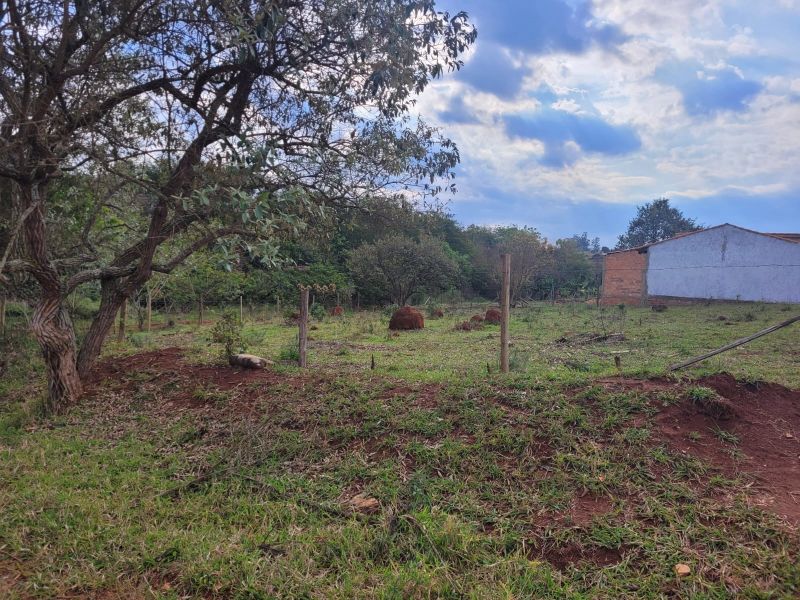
(569, 113)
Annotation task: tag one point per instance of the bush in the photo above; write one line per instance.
(317, 311)
(289, 353)
(228, 332)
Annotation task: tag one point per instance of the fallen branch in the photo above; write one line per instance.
(738, 342)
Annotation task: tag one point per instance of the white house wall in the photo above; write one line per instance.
(725, 263)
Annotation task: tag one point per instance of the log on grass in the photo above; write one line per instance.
(248, 361)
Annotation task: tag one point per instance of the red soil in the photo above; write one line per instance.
(494, 316)
(405, 318)
(170, 368)
(476, 318)
(438, 313)
(766, 421)
(337, 311)
(763, 417)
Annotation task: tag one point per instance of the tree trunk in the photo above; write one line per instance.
(123, 314)
(110, 302)
(149, 309)
(3, 315)
(53, 330)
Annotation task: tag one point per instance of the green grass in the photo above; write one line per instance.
(480, 478)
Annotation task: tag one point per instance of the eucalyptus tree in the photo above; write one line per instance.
(217, 119)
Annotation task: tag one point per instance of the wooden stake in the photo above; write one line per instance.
(738, 342)
(123, 313)
(241, 311)
(505, 307)
(200, 311)
(3, 315)
(303, 325)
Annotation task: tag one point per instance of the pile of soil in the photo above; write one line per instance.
(438, 313)
(337, 311)
(750, 429)
(476, 318)
(469, 326)
(762, 423)
(170, 371)
(406, 318)
(494, 316)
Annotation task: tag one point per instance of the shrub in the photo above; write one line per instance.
(228, 332)
(317, 311)
(289, 353)
(388, 311)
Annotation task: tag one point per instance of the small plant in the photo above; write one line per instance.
(701, 394)
(388, 311)
(228, 332)
(289, 353)
(518, 360)
(318, 311)
(725, 436)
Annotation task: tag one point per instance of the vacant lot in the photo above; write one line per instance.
(429, 476)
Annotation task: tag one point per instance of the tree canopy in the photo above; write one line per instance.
(210, 120)
(655, 221)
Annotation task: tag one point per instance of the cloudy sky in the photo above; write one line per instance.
(569, 113)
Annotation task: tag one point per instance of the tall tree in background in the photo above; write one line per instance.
(396, 267)
(655, 221)
(216, 118)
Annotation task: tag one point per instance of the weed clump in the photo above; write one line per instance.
(469, 326)
(710, 403)
(228, 332)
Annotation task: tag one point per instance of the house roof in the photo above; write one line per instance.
(786, 237)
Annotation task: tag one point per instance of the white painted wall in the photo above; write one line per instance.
(725, 263)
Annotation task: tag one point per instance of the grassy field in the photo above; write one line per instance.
(429, 476)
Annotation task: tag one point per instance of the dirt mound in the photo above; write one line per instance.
(493, 316)
(469, 326)
(406, 318)
(437, 314)
(476, 318)
(748, 428)
(184, 383)
(337, 311)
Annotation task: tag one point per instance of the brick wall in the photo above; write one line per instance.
(624, 278)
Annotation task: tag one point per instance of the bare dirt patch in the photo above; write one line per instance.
(562, 557)
(757, 435)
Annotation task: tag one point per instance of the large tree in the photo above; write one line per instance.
(211, 119)
(655, 221)
(396, 267)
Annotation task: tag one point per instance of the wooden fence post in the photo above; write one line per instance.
(505, 307)
(303, 327)
(241, 311)
(123, 314)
